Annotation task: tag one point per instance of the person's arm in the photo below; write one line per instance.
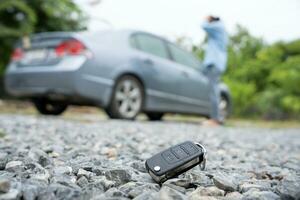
(212, 27)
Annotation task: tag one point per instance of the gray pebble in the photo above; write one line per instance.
(207, 191)
(143, 188)
(82, 181)
(247, 186)
(120, 176)
(15, 166)
(67, 170)
(12, 194)
(224, 182)
(168, 193)
(260, 195)
(4, 185)
(3, 160)
(40, 157)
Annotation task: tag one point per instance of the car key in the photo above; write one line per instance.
(176, 160)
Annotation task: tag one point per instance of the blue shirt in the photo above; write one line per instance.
(216, 49)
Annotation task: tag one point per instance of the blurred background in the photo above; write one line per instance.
(264, 52)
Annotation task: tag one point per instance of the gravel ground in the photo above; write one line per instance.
(53, 158)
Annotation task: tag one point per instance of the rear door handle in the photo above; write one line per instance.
(148, 61)
(185, 74)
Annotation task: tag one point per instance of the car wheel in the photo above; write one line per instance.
(47, 107)
(154, 116)
(224, 107)
(127, 99)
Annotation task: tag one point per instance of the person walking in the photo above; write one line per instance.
(215, 60)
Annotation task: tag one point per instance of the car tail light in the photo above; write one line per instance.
(70, 47)
(17, 54)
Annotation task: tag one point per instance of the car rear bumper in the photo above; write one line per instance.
(39, 83)
(57, 83)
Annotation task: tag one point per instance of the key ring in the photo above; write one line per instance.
(202, 165)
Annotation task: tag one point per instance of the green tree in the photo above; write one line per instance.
(264, 79)
(19, 18)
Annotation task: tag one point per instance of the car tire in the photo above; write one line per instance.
(155, 116)
(127, 99)
(224, 107)
(47, 107)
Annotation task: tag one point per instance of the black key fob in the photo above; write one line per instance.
(176, 160)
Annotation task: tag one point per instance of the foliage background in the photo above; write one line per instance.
(264, 78)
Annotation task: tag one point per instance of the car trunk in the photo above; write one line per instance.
(41, 50)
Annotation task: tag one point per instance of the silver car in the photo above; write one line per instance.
(122, 71)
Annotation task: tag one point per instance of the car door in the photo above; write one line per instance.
(194, 84)
(160, 75)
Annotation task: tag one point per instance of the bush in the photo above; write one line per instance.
(264, 79)
(268, 104)
(243, 97)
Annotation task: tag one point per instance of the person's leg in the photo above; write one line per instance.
(214, 95)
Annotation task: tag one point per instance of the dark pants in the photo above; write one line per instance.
(213, 75)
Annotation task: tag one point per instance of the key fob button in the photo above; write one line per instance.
(189, 148)
(157, 168)
(179, 152)
(169, 157)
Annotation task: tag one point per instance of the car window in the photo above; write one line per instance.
(183, 57)
(149, 44)
(133, 42)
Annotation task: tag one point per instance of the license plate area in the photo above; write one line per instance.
(35, 56)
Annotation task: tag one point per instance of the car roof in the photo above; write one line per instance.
(131, 32)
(114, 32)
(128, 32)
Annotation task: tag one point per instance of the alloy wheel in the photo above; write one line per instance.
(128, 97)
(223, 107)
